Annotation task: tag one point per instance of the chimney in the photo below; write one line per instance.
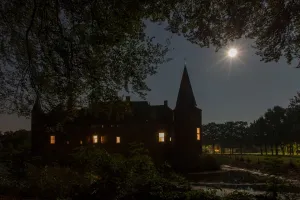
(128, 98)
(166, 103)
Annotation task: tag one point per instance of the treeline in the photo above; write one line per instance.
(12, 142)
(276, 132)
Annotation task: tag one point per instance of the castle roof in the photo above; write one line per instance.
(185, 98)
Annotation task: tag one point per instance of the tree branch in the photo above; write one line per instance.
(32, 74)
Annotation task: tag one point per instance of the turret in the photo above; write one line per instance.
(37, 128)
(188, 121)
(185, 98)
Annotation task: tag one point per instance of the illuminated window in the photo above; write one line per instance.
(118, 140)
(52, 139)
(198, 133)
(161, 137)
(95, 139)
(68, 142)
(170, 139)
(102, 139)
(80, 141)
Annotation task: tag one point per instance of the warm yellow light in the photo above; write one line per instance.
(102, 139)
(95, 139)
(161, 137)
(198, 134)
(52, 139)
(170, 139)
(232, 52)
(118, 140)
(80, 141)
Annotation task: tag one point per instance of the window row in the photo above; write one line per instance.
(103, 139)
(95, 139)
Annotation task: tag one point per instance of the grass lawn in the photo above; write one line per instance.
(288, 166)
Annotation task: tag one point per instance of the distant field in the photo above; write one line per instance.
(257, 157)
(259, 154)
(285, 165)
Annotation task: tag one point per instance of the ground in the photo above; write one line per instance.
(288, 166)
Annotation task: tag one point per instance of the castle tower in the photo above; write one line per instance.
(37, 128)
(188, 122)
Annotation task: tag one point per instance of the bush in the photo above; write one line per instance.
(239, 196)
(292, 166)
(53, 181)
(202, 195)
(135, 177)
(208, 163)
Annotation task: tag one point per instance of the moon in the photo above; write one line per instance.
(232, 52)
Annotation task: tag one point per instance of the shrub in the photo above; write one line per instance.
(248, 161)
(135, 177)
(202, 195)
(208, 163)
(239, 196)
(292, 166)
(53, 181)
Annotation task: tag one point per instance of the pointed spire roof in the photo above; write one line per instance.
(186, 98)
(37, 105)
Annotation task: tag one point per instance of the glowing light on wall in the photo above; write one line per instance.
(161, 137)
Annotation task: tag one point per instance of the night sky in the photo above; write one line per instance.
(241, 91)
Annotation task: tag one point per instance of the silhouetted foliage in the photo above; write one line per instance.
(69, 52)
(275, 132)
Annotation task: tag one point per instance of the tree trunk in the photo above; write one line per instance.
(272, 151)
(213, 148)
(276, 149)
(261, 150)
(291, 149)
(282, 149)
(266, 149)
(241, 149)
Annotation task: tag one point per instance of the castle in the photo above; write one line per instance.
(167, 134)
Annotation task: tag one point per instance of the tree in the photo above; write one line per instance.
(211, 134)
(274, 25)
(70, 51)
(259, 131)
(293, 118)
(275, 120)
